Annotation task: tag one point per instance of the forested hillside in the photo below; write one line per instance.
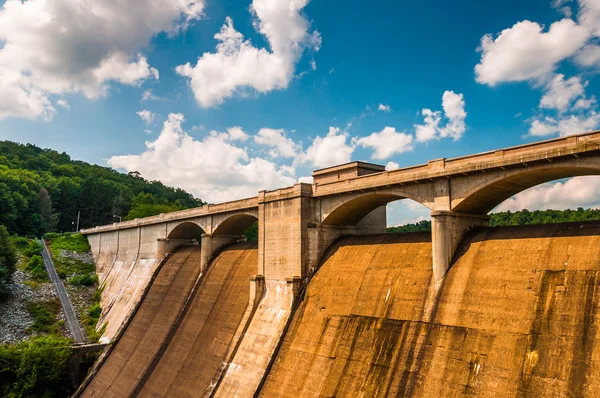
(523, 217)
(41, 190)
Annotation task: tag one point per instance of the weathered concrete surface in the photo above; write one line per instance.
(516, 315)
(148, 329)
(192, 359)
(186, 329)
(247, 368)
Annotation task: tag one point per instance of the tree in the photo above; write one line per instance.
(8, 261)
(48, 219)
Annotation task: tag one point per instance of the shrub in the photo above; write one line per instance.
(33, 248)
(83, 280)
(35, 368)
(44, 316)
(36, 269)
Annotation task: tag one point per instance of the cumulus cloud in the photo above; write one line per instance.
(146, 116)
(588, 56)
(392, 166)
(571, 194)
(573, 124)
(237, 134)
(329, 150)
(574, 112)
(59, 46)
(213, 168)
(561, 93)
(454, 113)
(387, 142)
(384, 108)
(63, 103)
(239, 67)
(281, 145)
(527, 51)
(306, 180)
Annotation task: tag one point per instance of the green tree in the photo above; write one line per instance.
(8, 261)
(48, 219)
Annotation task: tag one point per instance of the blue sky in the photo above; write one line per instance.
(366, 73)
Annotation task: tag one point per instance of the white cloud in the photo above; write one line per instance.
(573, 124)
(313, 64)
(387, 142)
(146, 116)
(236, 134)
(328, 151)
(306, 180)
(392, 166)
(177, 159)
(454, 111)
(149, 95)
(60, 46)
(525, 51)
(588, 56)
(384, 108)
(561, 93)
(238, 66)
(575, 113)
(282, 146)
(63, 102)
(573, 193)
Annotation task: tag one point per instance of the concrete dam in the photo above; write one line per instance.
(325, 304)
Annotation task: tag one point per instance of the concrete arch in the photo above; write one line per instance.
(492, 190)
(186, 230)
(235, 224)
(354, 208)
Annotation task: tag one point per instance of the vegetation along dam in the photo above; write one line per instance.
(326, 304)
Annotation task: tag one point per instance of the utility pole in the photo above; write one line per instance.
(78, 214)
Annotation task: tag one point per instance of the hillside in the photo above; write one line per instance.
(42, 190)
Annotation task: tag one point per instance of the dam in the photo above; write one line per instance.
(325, 304)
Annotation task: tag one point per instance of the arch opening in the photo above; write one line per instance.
(357, 210)
(186, 230)
(566, 200)
(484, 198)
(237, 224)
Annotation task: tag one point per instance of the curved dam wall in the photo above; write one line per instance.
(125, 262)
(516, 315)
(184, 330)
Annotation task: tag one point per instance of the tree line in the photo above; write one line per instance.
(522, 217)
(42, 190)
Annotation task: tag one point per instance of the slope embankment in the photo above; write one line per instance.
(516, 315)
(180, 336)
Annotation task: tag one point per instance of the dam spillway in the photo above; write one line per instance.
(515, 315)
(177, 340)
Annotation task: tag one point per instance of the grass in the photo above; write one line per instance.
(45, 316)
(68, 241)
(74, 271)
